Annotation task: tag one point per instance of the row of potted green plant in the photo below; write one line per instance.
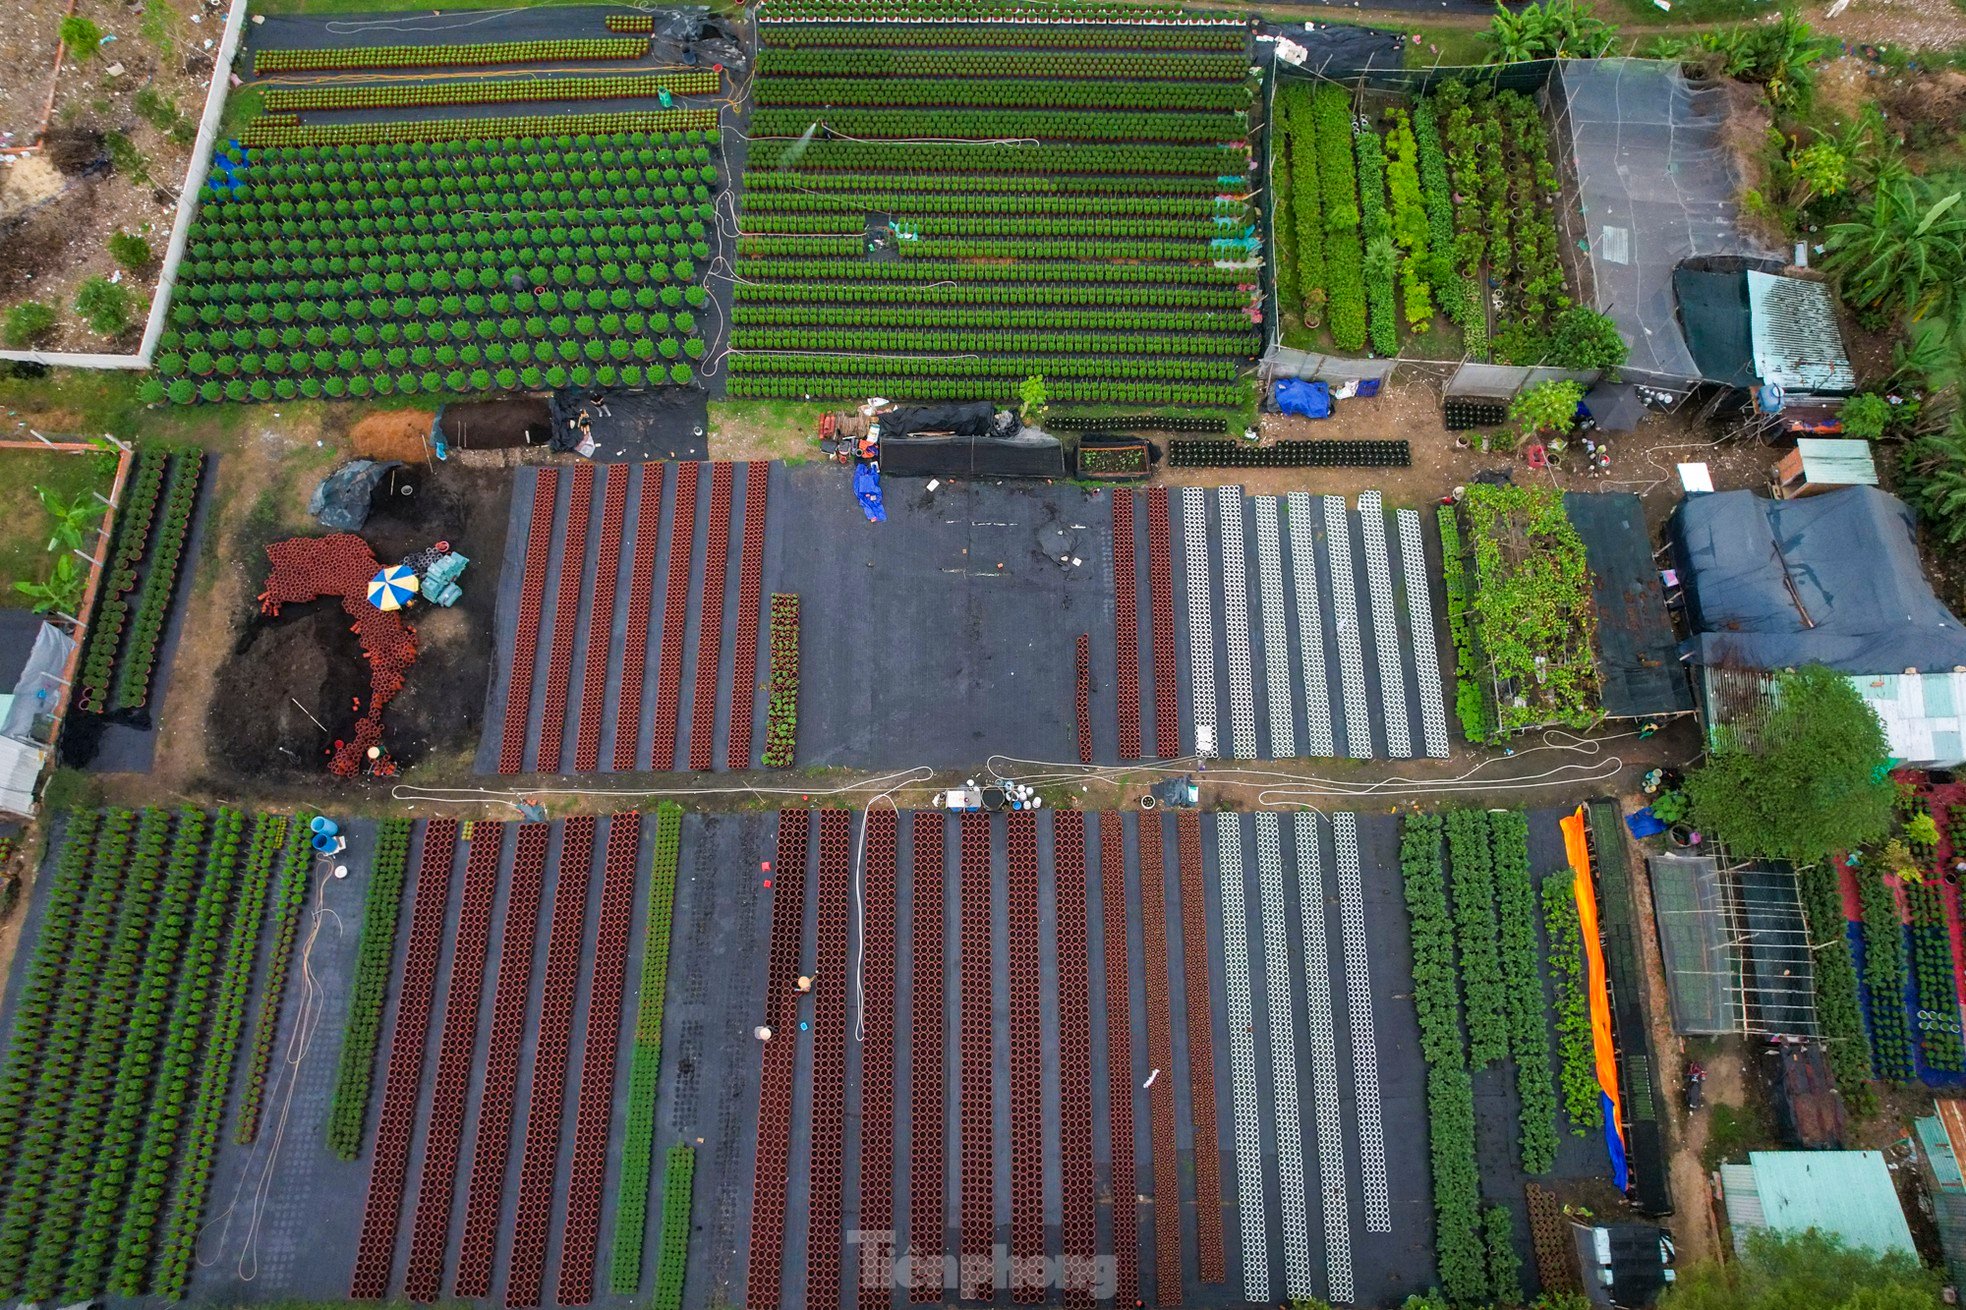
(1932, 972)
(1839, 1012)
(1343, 242)
(672, 1253)
(502, 336)
(45, 980)
(177, 1247)
(1018, 367)
(1458, 1254)
(55, 1209)
(982, 339)
(147, 1014)
(1034, 225)
(855, 204)
(1145, 66)
(1095, 294)
(1130, 161)
(1529, 1033)
(289, 901)
(918, 271)
(822, 36)
(267, 130)
(1886, 971)
(131, 542)
(782, 705)
(628, 86)
(369, 992)
(1001, 93)
(901, 180)
(922, 387)
(1410, 229)
(183, 391)
(1458, 294)
(1054, 320)
(138, 665)
(971, 248)
(1046, 125)
(70, 1023)
(434, 56)
(645, 1060)
(183, 1055)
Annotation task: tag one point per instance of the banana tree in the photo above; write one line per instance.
(73, 519)
(61, 593)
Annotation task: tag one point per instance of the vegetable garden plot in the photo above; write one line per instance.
(592, 671)
(561, 251)
(1065, 201)
(1316, 604)
(1435, 216)
(1521, 612)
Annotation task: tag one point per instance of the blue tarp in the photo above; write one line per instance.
(1311, 399)
(867, 486)
(1644, 824)
(1614, 1144)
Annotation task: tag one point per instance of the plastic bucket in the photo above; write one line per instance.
(324, 843)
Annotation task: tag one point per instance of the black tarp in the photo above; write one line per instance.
(971, 420)
(1339, 50)
(1833, 579)
(1637, 651)
(1026, 455)
(1713, 313)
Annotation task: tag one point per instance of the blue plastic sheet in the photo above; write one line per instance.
(1614, 1144)
(867, 486)
(1644, 824)
(1311, 399)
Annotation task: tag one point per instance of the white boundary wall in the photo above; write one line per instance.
(187, 205)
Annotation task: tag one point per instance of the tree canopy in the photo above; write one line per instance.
(1804, 781)
(1781, 1272)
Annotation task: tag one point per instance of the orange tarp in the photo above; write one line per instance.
(1596, 990)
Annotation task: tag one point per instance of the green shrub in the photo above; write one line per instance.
(130, 250)
(104, 305)
(29, 322)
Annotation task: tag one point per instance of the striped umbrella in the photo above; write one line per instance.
(393, 588)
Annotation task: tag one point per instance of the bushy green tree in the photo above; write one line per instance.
(1778, 1272)
(1805, 780)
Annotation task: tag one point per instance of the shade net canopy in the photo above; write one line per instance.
(1637, 651)
(1648, 183)
(1832, 579)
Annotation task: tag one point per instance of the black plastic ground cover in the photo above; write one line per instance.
(940, 637)
(1637, 651)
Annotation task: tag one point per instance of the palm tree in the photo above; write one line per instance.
(1907, 252)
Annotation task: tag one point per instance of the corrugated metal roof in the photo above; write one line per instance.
(1743, 1200)
(1840, 460)
(1797, 344)
(1845, 1193)
(1932, 1139)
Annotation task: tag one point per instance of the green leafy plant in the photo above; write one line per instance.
(1865, 416)
(1799, 779)
(782, 703)
(1577, 1059)
(104, 305)
(130, 250)
(367, 996)
(1549, 29)
(1532, 606)
(80, 37)
(29, 323)
(1529, 1038)
(644, 1069)
(1546, 409)
(1477, 936)
(290, 900)
(1838, 1013)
